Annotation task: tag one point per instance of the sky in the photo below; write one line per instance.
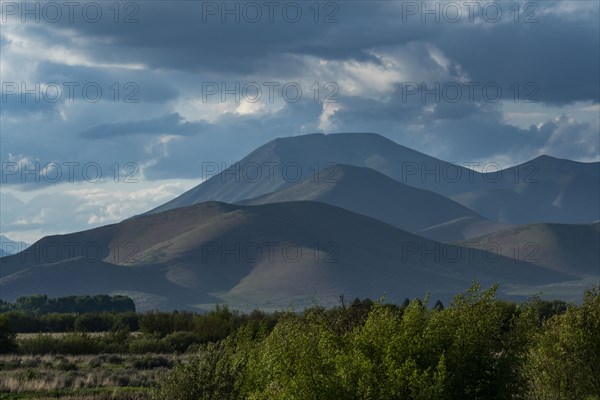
(110, 109)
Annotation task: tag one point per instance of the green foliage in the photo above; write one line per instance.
(92, 322)
(88, 322)
(296, 360)
(209, 375)
(161, 324)
(145, 345)
(180, 341)
(216, 325)
(8, 342)
(477, 347)
(565, 359)
(42, 304)
(72, 343)
(151, 361)
(484, 341)
(545, 310)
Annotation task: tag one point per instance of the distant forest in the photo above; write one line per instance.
(42, 304)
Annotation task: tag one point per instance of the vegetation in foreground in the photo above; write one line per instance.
(478, 347)
(124, 377)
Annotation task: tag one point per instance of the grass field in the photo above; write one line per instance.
(104, 376)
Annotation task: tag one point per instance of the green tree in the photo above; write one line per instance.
(209, 375)
(8, 343)
(296, 361)
(157, 324)
(565, 360)
(485, 343)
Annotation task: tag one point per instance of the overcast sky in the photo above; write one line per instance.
(145, 92)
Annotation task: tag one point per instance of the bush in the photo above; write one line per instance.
(72, 343)
(148, 345)
(181, 341)
(39, 344)
(209, 375)
(64, 365)
(151, 362)
(8, 337)
(92, 322)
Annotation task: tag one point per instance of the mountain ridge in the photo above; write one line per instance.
(258, 256)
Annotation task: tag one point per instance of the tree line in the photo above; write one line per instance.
(42, 304)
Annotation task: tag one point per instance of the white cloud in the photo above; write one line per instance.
(72, 207)
(594, 108)
(326, 123)
(568, 137)
(39, 48)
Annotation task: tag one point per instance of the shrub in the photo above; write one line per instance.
(151, 362)
(148, 345)
(72, 343)
(8, 337)
(39, 344)
(181, 341)
(208, 376)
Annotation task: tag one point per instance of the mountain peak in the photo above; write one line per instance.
(546, 159)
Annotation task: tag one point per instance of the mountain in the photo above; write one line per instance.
(569, 249)
(545, 189)
(285, 161)
(368, 192)
(461, 229)
(8, 247)
(270, 256)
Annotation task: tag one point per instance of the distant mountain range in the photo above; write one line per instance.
(269, 256)
(568, 249)
(8, 247)
(368, 192)
(545, 189)
(317, 216)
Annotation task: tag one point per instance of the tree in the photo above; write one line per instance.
(485, 342)
(157, 323)
(8, 342)
(208, 375)
(565, 359)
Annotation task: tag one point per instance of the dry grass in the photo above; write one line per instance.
(104, 376)
(62, 334)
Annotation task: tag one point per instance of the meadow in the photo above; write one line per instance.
(102, 376)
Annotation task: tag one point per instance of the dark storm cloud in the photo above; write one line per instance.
(558, 52)
(562, 58)
(176, 51)
(118, 85)
(172, 124)
(179, 35)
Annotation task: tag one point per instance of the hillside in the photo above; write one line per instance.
(270, 256)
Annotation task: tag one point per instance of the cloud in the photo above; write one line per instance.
(570, 138)
(372, 54)
(90, 205)
(171, 124)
